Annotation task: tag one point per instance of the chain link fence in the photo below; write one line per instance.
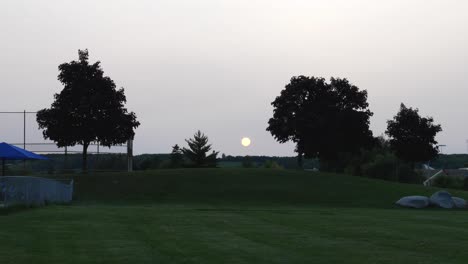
(34, 191)
(21, 129)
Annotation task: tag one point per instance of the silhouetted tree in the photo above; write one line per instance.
(322, 119)
(88, 109)
(176, 157)
(412, 137)
(197, 150)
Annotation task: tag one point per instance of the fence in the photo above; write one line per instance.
(21, 129)
(24, 190)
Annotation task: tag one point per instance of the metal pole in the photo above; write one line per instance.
(441, 153)
(3, 166)
(96, 164)
(24, 129)
(65, 160)
(24, 136)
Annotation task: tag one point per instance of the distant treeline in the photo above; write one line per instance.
(72, 163)
(162, 161)
(266, 161)
(58, 163)
(452, 161)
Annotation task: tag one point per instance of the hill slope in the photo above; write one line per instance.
(244, 186)
(234, 216)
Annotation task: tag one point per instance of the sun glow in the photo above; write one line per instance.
(245, 141)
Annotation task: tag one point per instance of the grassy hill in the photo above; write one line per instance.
(243, 186)
(234, 216)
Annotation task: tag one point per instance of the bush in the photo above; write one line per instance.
(388, 167)
(449, 182)
(270, 164)
(384, 166)
(166, 164)
(149, 163)
(407, 174)
(145, 164)
(247, 162)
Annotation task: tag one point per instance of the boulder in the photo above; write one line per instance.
(414, 201)
(442, 199)
(459, 202)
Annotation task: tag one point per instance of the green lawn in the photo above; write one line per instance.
(234, 216)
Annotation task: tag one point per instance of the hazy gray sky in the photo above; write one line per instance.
(216, 65)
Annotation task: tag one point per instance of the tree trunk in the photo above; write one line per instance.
(84, 166)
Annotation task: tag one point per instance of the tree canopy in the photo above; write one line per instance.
(322, 119)
(88, 109)
(197, 150)
(412, 137)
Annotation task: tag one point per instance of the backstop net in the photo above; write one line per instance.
(21, 129)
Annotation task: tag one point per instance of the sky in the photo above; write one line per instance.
(216, 66)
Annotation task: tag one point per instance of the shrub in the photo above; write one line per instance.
(149, 163)
(247, 162)
(407, 174)
(384, 166)
(271, 164)
(449, 182)
(387, 166)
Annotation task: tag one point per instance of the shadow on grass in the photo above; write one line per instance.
(15, 209)
(21, 208)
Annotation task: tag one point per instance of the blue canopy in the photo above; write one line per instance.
(10, 152)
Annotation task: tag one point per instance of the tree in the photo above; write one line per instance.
(198, 149)
(88, 109)
(322, 119)
(412, 137)
(176, 157)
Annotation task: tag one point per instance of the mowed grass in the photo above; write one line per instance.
(234, 216)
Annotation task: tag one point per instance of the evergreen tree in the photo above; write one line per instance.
(177, 157)
(197, 150)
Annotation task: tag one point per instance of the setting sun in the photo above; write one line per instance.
(245, 142)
